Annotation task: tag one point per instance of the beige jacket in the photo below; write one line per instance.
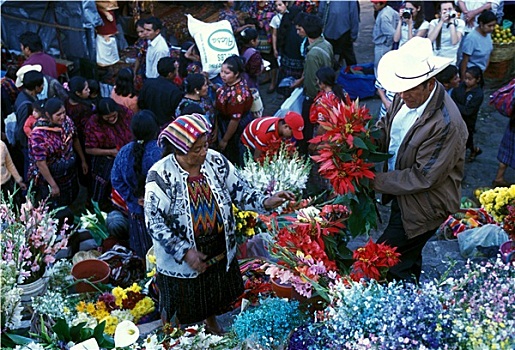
(7, 168)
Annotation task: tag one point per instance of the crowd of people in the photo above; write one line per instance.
(166, 124)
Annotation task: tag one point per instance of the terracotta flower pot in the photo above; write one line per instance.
(94, 270)
(281, 290)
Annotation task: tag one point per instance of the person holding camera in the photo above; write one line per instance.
(411, 23)
(446, 32)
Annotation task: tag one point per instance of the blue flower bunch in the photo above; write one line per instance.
(393, 316)
(270, 323)
(475, 309)
(415, 319)
(483, 305)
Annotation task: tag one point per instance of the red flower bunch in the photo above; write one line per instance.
(373, 261)
(273, 147)
(306, 232)
(346, 153)
(509, 222)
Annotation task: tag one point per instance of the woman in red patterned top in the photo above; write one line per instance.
(52, 144)
(233, 102)
(107, 132)
(330, 95)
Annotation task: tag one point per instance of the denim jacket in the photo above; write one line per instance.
(167, 209)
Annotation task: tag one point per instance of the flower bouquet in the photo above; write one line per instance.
(10, 298)
(245, 224)
(497, 200)
(308, 249)
(346, 157)
(373, 261)
(95, 223)
(119, 305)
(30, 238)
(280, 171)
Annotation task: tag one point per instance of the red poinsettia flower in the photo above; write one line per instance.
(373, 261)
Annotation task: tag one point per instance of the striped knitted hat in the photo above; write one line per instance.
(184, 131)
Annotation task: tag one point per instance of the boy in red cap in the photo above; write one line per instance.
(261, 132)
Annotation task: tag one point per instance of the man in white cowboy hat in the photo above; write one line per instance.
(425, 134)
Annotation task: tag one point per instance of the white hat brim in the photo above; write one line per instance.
(403, 69)
(24, 69)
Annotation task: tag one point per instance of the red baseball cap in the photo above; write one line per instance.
(296, 123)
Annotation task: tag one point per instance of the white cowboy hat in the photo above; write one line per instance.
(22, 70)
(410, 65)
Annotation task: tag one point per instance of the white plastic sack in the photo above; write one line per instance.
(292, 103)
(257, 107)
(215, 42)
(107, 50)
(485, 236)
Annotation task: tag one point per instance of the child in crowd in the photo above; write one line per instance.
(37, 112)
(9, 175)
(449, 78)
(468, 97)
(123, 91)
(94, 91)
(248, 41)
(386, 98)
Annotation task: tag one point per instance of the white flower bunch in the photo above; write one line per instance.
(10, 299)
(280, 172)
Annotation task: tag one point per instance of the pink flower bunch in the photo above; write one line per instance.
(30, 238)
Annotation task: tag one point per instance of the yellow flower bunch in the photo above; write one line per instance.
(119, 294)
(245, 221)
(142, 308)
(110, 324)
(497, 200)
(151, 265)
(97, 310)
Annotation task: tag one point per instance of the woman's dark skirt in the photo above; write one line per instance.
(64, 173)
(139, 240)
(235, 150)
(291, 67)
(506, 154)
(193, 300)
(101, 185)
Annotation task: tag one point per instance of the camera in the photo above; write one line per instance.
(453, 14)
(406, 13)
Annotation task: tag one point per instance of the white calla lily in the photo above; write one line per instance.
(126, 334)
(90, 344)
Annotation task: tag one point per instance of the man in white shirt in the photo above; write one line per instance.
(157, 46)
(426, 136)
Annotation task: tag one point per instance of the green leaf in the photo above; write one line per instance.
(86, 333)
(98, 332)
(359, 143)
(62, 330)
(377, 157)
(364, 215)
(107, 342)
(11, 340)
(75, 332)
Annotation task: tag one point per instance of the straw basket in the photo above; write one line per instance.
(502, 52)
